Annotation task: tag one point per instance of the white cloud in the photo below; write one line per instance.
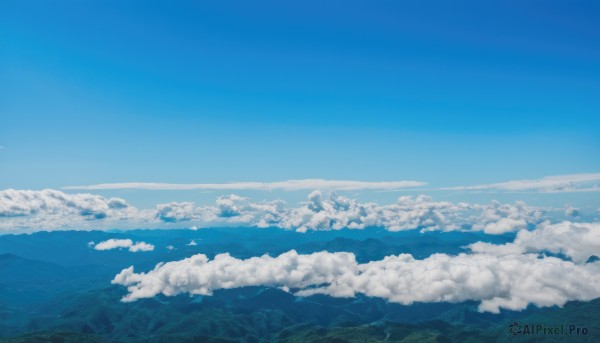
(336, 212)
(124, 244)
(23, 210)
(508, 276)
(192, 243)
(114, 244)
(322, 213)
(550, 184)
(141, 246)
(289, 185)
(498, 282)
(578, 241)
(175, 211)
(498, 218)
(496, 249)
(15, 203)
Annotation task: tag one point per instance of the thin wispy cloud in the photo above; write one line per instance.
(548, 184)
(288, 185)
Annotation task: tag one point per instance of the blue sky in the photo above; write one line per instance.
(449, 93)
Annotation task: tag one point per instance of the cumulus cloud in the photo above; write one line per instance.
(578, 241)
(175, 211)
(339, 212)
(288, 185)
(124, 244)
(498, 282)
(14, 203)
(141, 246)
(50, 209)
(499, 276)
(336, 212)
(498, 218)
(550, 184)
(192, 243)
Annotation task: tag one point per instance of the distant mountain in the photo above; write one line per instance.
(56, 337)
(15, 269)
(56, 288)
(25, 282)
(70, 248)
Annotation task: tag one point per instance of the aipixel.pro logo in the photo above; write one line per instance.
(516, 329)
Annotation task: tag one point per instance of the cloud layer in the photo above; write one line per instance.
(508, 276)
(498, 282)
(124, 244)
(26, 210)
(16, 203)
(336, 212)
(289, 185)
(551, 184)
(23, 210)
(578, 241)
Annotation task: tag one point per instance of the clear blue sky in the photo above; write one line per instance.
(447, 92)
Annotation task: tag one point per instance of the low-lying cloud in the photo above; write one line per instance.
(500, 276)
(498, 282)
(112, 243)
(578, 241)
